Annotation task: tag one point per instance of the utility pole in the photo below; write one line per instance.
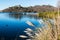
(56, 22)
(58, 19)
(58, 6)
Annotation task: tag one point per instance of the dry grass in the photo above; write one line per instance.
(47, 33)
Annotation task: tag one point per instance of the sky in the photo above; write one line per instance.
(25, 3)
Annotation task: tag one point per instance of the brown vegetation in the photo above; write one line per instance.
(37, 8)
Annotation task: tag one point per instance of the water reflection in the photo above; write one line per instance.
(22, 14)
(11, 28)
(15, 15)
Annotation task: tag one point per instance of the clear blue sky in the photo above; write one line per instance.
(6, 3)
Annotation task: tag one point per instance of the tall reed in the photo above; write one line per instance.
(48, 32)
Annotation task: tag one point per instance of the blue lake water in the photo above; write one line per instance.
(12, 25)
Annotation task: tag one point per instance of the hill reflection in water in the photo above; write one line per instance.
(14, 24)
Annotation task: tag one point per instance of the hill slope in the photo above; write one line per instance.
(36, 8)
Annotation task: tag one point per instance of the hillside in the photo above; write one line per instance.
(36, 8)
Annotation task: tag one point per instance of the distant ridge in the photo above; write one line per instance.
(0, 10)
(36, 8)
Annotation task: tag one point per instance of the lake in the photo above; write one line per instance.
(12, 25)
